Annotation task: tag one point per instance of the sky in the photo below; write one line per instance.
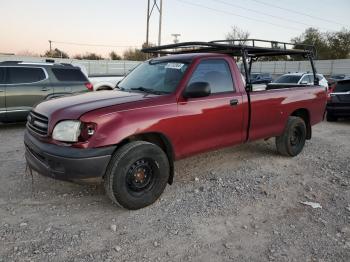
(27, 25)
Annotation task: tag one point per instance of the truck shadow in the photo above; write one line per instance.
(230, 158)
(9, 126)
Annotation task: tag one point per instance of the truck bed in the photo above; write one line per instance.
(270, 108)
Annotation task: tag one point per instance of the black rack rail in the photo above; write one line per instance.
(235, 47)
(249, 49)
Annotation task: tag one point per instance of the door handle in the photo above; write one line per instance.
(45, 89)
(233, 102)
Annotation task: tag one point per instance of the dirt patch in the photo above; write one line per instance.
(236, 204)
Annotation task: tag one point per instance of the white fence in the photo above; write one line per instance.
(121, 67)
(93, 67)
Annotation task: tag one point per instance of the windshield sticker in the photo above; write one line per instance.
(174, 65)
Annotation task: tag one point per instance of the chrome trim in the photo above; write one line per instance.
(340, 93)
(17, 110)
(42, 68)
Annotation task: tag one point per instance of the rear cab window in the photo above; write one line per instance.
(217, 73)
(69, 75)
(25, 75)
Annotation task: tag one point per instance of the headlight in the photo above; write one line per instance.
(67, 131)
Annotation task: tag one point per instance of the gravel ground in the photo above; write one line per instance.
(236, 204)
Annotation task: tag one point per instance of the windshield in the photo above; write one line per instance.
(155, 77)
(288, 79)
(342, 87)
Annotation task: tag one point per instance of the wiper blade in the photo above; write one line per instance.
(147, 90)
(141, 88)
(120, 88)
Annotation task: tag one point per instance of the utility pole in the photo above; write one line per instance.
(176, 39)
(50, 45)
(160, 22)
(159, 6)
(148, 16)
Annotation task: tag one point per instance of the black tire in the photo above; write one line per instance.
(331, 118)
(292, 141)
(137, 175)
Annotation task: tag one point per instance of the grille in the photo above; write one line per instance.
(38, 123)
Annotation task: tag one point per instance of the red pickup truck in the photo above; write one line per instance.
(168, 108)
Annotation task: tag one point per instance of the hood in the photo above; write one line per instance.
(72, 107)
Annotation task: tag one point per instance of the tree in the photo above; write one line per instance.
(56, 53)
(136, 54)
(27, 53)
(238, 33)
(329, 45)
(89, 56)
(339, 44)
(114, 56)
(313, 36)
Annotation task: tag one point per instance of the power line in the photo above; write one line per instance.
(298, 12)
(87, 44)
(234, 14)
(265, 14)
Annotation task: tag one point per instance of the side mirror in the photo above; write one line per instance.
(197, 89)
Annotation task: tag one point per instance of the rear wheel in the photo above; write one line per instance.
(292, 141)
(137, 175)
(331, 118)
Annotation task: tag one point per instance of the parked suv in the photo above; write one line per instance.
(23, 84)
(302, 79)
(339, 101)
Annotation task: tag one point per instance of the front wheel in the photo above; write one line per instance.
(292, 141)
(137, 175)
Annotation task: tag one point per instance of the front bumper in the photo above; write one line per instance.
(66, 163)
(339, 110)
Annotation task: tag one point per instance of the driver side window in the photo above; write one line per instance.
(217, 73)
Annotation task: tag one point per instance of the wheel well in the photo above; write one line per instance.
(304, 114)
(160, 140)
(104, 88)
